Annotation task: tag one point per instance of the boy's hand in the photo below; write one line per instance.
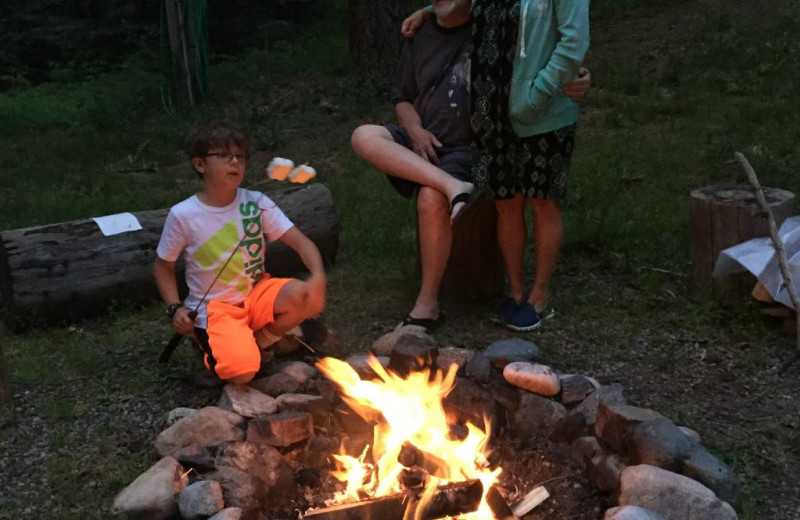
(181, 321)
(315, 295)
(413, 22)
(577, 89)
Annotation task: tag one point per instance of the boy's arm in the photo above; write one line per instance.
(309, 255)
(164, 274)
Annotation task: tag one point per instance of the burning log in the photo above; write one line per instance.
(499, 506)
(450, 500)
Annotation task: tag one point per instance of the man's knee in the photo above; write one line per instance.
(432, 204)
(363, 136)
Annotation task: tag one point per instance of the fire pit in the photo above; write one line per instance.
(424, 433)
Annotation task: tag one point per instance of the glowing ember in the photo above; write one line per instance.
(413, 415)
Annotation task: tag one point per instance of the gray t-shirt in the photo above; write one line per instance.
(434, 75)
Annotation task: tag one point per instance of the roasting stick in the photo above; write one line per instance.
(779, 249)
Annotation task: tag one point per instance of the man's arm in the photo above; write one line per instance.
(164, 274)
(309, 255)
(423, 142)
(415, 21)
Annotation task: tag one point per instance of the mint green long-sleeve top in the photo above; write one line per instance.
(552, 42)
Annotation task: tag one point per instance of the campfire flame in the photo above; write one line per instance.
(412, 414)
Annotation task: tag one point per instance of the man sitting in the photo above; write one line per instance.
(429, 151)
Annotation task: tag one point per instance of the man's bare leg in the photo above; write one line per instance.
(548, 235)
(435, 240)
(375, 144)
(511, 235)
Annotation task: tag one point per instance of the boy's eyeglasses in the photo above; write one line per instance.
(228, 157)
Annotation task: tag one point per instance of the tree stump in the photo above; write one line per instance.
(722, 216)
(71, 270)
(475, 270)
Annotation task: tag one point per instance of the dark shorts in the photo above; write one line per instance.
(455, 160)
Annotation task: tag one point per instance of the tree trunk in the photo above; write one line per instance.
(724, 216)
(375, 34)
(71, 270)
(5, 382)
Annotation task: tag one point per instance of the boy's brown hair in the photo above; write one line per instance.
(220, 134)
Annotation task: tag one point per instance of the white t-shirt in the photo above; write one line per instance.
(207, 236)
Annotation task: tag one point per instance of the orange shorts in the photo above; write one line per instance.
(232, 349)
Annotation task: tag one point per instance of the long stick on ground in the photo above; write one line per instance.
(779, 249)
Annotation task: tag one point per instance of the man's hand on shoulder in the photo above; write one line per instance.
(424, 143)
(414, 22)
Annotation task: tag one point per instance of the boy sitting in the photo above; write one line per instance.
(222, 233)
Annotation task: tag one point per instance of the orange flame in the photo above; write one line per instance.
(412, 413)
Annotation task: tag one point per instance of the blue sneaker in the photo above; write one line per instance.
(508, 308)
(526, 318)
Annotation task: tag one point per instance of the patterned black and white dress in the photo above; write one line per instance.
(534, 166)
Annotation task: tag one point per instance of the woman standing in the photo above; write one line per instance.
(523, 126)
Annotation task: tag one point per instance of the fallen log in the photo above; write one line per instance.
(72, 270)
(449, 500)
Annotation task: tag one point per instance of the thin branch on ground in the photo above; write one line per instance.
(783, 263)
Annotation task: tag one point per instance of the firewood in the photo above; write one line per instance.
(450, 500)
(761, 294)
(530, 501)
(499, 506)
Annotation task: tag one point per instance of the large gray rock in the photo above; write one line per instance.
(611, 394)
(276, 384)
(508, 351)
(533, 377)
(384, 345)
(229, 513)
(536, 416)
(575, 388)
(246, 401)
(206, 427)
(282, 429)
(615, 422)
(261, 460)
(176, 414)
(606, 470)
(361, 363)
(584, 449)
(240, 489)
(660, 443)
(479, 368)
(200, 500)
(713, 473)
(470, 402)
(453, 356)
(301, 372)
(412, 354)
(631, 513)
(153, 494)
(670, 495)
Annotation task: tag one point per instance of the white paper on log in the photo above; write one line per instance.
(116, 224)
(758, 256)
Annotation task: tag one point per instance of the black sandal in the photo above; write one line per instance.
(429, 324)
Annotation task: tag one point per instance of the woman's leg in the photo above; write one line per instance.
(548, 235)
(511, 234)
